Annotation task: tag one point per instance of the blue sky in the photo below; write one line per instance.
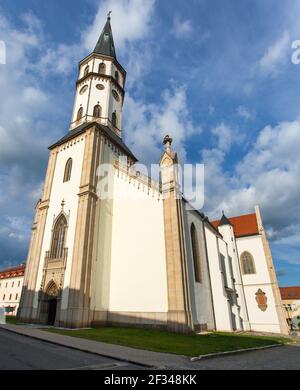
(217, 75)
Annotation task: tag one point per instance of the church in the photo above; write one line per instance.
(145, 260)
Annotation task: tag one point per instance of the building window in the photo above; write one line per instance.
(97, 111)
(196, 254)
(86, 70)
(117, 76)
(247, 262)
(68, 170)
(58, 238)
(80, 113)
(223, 270)
(19, 283)
(4, 297)
(102, 68)
(10, 296)
(17, 297)
(114, 120)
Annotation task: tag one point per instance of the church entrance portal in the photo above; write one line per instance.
(50, 303)
(52, 311)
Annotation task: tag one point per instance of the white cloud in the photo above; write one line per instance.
(276, 55)
(182, 28)
(131, 20)
(224, 137)
(131, 23)
(268, 175)
(245, 113)
(149, 124)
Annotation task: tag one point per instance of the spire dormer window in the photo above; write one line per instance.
(86, 70)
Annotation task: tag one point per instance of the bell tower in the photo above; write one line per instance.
(100, 86)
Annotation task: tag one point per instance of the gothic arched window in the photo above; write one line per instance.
(58, 238)
(97, 111)
(68, 170)
(247, 262)
(102, 68)
(117, 76)
(86, 70)
(196, 254)
(114, 119)
(80, 113)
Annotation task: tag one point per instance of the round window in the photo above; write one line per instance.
(100, 86)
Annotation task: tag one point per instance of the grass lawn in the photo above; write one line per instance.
(11, 320)
(161, 341)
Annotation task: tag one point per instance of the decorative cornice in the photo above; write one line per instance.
(104, 76)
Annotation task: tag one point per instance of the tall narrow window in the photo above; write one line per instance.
(80, 113)
(102, 68)
(58, 238)
(196, 254)
(68, 170)
(114, 119)
(97, 111)
(247, 262)
(86, 70)
(117, 76)
(223, 270)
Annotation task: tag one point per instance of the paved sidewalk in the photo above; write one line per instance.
(147, 358)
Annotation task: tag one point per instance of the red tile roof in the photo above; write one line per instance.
(244, 225)
(290, 292)
(13, 272)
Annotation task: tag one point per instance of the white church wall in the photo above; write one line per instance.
(138, 264)
(228, 236)
(99, 96)
(201, 296)
(221, 309)
(101, 271)
(259, 320)
(67, 192)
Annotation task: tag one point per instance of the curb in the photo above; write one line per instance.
(80, 349)
(236, 352)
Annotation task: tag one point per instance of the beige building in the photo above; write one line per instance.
(291, 301)
(112, 246)
(11, 283)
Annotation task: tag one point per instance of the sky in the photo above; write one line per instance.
(216, 75)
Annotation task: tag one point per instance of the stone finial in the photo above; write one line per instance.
(108, 15)
(63, 204)
(168, 142)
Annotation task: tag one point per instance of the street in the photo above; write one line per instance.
(24, 353)
(281, 358)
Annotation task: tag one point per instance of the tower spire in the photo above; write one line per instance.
(105, 44)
